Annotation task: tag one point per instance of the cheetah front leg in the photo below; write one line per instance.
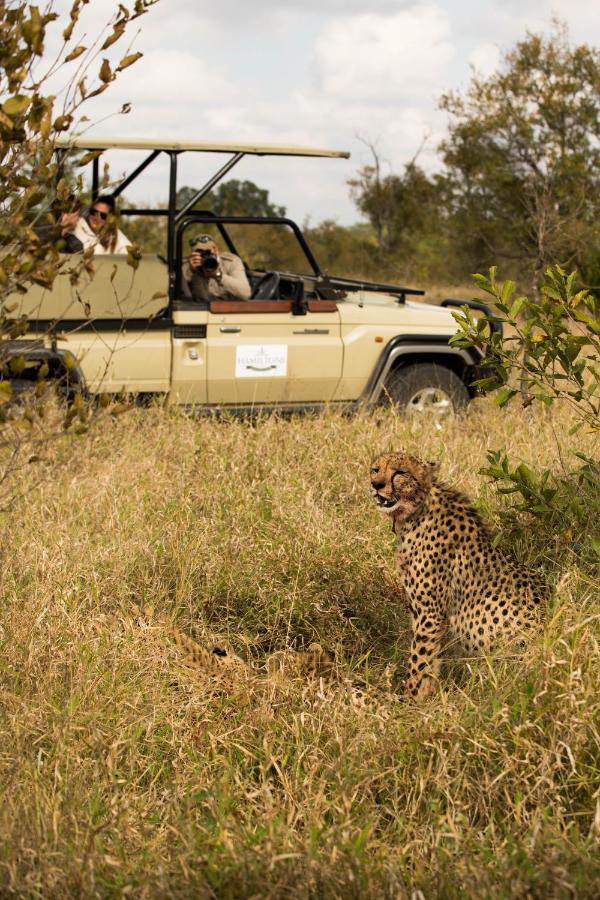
(428, 631)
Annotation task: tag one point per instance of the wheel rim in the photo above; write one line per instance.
(430, 401)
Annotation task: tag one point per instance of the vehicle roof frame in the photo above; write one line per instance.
(183, 216)
(172, 149)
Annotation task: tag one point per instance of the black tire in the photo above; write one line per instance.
(21, 387)
(24, 389)
(426, 389)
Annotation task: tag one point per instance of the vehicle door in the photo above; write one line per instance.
(279, 348)
(260, 352)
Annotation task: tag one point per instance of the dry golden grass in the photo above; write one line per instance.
(123, 772)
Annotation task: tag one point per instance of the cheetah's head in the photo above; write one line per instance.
(401, 483)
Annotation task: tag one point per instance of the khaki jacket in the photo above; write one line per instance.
(233, 284)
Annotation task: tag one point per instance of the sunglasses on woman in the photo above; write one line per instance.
(99, 213)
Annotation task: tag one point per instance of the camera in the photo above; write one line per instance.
(210, 262)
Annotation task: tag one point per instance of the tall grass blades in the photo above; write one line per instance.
(124, 772)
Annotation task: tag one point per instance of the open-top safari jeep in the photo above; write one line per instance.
(304, 339)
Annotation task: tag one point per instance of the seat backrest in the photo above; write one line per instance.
(114, 291)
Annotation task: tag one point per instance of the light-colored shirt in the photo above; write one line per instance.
(89, 238)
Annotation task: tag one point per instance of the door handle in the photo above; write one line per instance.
(230, 329)
(313, 331)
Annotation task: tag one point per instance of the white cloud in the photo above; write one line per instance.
(180, 82)
(323, 7)
(485, 59)
(384, 58)
(580, 15)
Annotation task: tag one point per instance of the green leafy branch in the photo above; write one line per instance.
(567, 504)
(550, 350)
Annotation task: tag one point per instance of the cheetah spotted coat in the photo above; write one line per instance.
(460, 589)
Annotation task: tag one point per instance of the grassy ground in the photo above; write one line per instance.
(122, 772)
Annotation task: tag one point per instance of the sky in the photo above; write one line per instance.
(327, 73)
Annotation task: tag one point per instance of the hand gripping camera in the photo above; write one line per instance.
(198, 244)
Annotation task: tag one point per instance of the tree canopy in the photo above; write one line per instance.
(522, 153)
(406, 213)
(521, 178)
(234, 198)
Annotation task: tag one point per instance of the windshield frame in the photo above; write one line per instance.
(205, 217)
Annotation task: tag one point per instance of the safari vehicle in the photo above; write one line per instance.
(304, 339)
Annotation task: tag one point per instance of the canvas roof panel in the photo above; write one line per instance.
(149, 144)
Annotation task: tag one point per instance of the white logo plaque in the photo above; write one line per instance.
(261, 360)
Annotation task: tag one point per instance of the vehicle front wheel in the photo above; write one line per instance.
(426, 389)
(28, 390)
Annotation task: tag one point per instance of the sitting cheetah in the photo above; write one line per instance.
(460, 588)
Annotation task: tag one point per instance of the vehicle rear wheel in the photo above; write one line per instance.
(427, 389)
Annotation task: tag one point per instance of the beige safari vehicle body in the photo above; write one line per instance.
(304, 339)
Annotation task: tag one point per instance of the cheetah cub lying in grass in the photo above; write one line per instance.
(460, 589)
(222, 663)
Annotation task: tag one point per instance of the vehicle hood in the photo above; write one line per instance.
(383, 309)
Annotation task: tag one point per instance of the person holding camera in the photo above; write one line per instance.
(209, 274)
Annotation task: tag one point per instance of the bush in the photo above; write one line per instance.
(549, 353)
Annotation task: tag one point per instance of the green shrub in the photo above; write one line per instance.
(549, 353)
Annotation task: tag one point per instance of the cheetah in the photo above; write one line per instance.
(223, 671)
(460, 588)
(313, 663)
(220, 661)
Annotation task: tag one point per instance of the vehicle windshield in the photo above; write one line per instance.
(263, 247)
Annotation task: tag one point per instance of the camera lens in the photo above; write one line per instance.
(209, 262)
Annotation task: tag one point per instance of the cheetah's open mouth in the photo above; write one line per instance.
(386, 505)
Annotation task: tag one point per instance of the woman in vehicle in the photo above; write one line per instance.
(100, 228)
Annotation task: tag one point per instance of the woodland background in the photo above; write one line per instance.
(519, 185)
